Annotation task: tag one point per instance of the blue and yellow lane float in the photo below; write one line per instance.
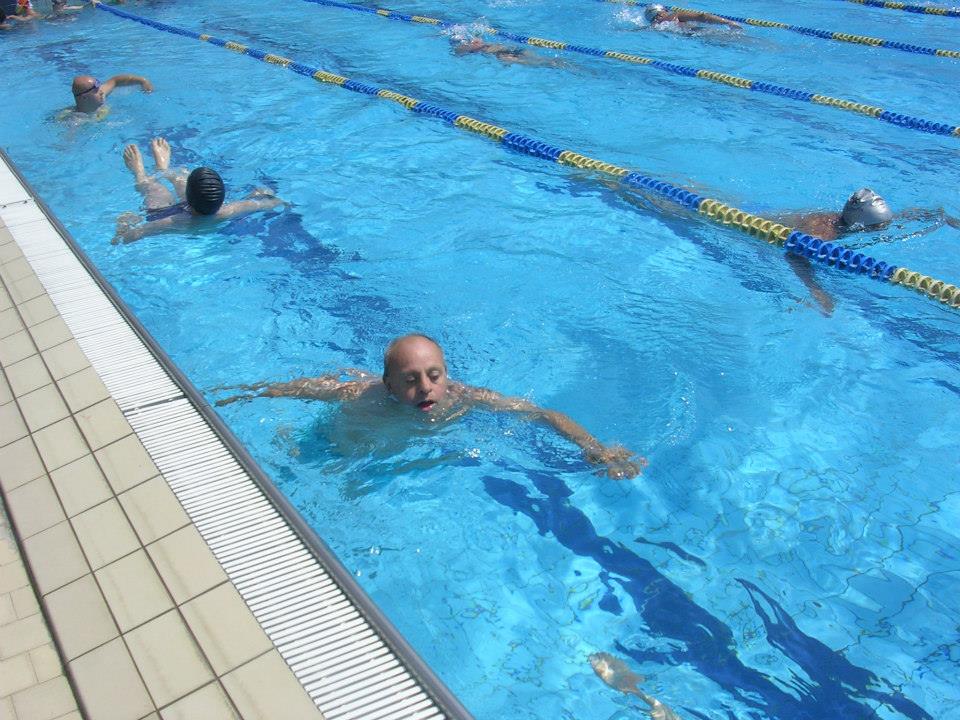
(894, 118)
(771, 232)
(918, 9)
(822, 34)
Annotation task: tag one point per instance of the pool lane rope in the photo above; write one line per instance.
(906, 121)
(918, 9)
(813, 32)
(794, 241)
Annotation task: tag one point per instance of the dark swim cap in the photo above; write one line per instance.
(3, 16)
(205, 190)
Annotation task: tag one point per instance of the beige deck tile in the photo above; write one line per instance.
(153, 509)
(16, 268)
(126, 463)
(109, 685)
(65, 359)
(21, 636)
(10, 322)
(80, 485)
(168, 658)
(35, 507)
(6, 709)
(25, 602)
(46, 662)
(225, 628)
(81, 617)
(50, 333)
(12, 427)
(55, 557)
(43, 407)
(266, 689)
(16, 673)
(209, 702)
(16, 347)
(47, 701)
(186, 564)
(103, 423)
(13, 575)
(28, 375)
(83, 389)
(26, 289)
(9, 250)
(104, 533)
(19, 464)
(133, 590)
(60, 444)
(38, 310)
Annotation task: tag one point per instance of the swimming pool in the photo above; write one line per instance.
(791, 550)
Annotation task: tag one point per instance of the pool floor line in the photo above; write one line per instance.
(134, 568)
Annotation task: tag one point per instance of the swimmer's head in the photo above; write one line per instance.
(650, 12)
(3, 16)
(87, 93)
(415, 372)
(474, 44)
(205, 191)
(866, 209)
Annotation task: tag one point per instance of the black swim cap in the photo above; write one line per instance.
(205, 191)
(3, 16)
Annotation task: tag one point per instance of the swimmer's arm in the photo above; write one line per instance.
(123, 80)
(615, 457)
(132, 233)
(249, 205)
(804, 271)
(324, 387)
(927, 215)
(705, 17)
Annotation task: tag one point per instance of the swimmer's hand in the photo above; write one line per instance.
(126, 228)
(619, 462)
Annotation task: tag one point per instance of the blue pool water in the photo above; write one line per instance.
(791, 551)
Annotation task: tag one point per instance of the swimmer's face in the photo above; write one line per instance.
(417, 374)
(472, 45)
(87, 93)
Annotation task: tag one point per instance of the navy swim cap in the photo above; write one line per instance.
(205, 190)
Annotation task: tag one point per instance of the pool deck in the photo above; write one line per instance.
(143, 572)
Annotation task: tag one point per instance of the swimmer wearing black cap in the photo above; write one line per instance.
(658, 15)
(864, 211)
(199, 199)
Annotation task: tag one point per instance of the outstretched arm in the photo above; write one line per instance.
(615, 457)
(704, 17)
(324, 387)
(925, 214)
(120, 80)
(259, 199)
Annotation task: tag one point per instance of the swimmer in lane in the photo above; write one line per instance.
(89, 94)
(197, 204)
(864, 211)
(8, 22)
(688, 19)
(505, 53)
(415, 376)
